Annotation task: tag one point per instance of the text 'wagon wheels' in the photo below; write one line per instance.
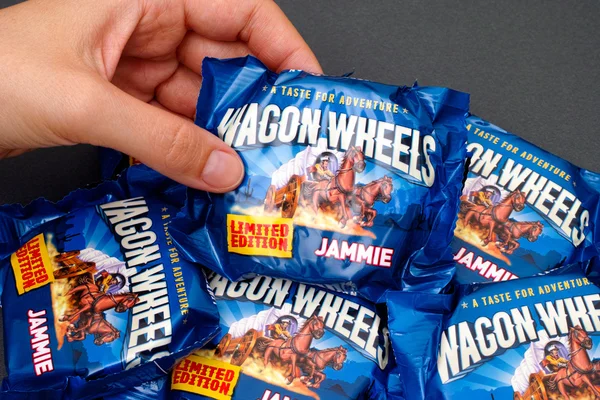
(222, 346)
(270, 199)
(66, 255)
(244, 348)
(292, 195)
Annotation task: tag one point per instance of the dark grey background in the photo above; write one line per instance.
(532, 67)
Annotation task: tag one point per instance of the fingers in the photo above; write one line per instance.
(259, 23)
(275, 41)
(194, 48)
(157, 104)
(166, 142)
(179, 93)
(140, 77)
(175, 87)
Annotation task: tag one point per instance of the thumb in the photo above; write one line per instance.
(168, 143)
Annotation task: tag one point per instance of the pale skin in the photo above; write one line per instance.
(125, 74)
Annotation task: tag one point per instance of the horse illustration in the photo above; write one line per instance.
(491, 216)
(579, 370)
(510, 232)
(93, 322)
(316, 361)
(364, 197)
(336, 191)
(290, 351)
(91, 297)
(89, 315)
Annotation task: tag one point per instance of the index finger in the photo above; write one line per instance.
(260, 23)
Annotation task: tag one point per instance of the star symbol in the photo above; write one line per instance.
(405, 111)
(185, 321)
(464, 305)
(164, 209)
(265, 88)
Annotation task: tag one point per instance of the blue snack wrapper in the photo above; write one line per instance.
(113, 162)
(522, 210)
(348, 182)
(533, 338)
(157, 389)
(96, 298)
(337, 345)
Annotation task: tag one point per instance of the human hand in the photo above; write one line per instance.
(125, 74)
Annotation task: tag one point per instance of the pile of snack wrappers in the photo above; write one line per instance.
(384, 244)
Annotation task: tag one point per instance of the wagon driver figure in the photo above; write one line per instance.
(554, 361)
(280, 330)
(105, 281)
(482, 197)
(321, 170)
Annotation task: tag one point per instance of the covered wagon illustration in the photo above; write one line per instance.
(243, 335)
(311, 164)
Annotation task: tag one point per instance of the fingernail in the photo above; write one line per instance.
(222, 171)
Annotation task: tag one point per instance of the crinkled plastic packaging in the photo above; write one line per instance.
(158, 389)
(113, 162)
(347, 181)
(337, 344)
(533, 338)
(96, 298)
(522, 210)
